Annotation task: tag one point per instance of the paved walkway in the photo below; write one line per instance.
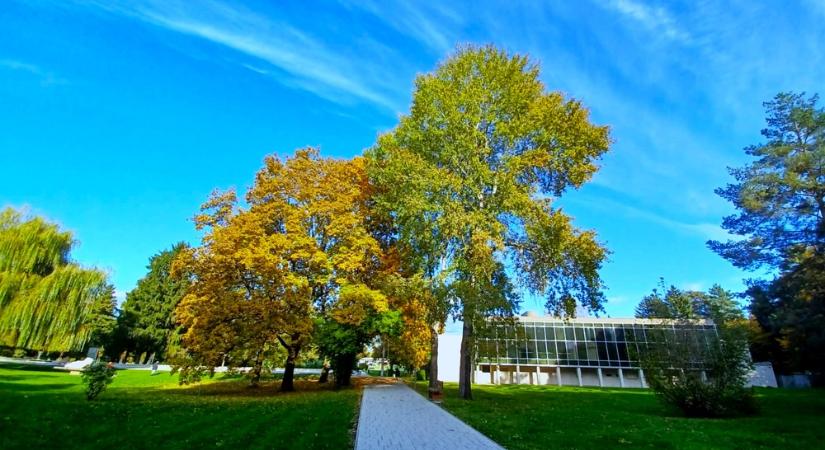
(393, 416)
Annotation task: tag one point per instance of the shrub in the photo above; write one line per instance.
(96, 377)
(702, 377)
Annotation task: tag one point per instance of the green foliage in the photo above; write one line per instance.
(470, 177)
(147, 321)
(716, 304)
(97, 377)
(789, 313)
(46, 302)
(342, 342)
(676, 368)
(480, 157)
(780, 197)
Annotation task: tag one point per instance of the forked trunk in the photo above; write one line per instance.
(465, 369)
(288, 385)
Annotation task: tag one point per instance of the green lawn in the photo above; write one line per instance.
(45, 408)
(531, 417)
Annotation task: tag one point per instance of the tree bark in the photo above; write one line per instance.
(343, 369)
(324, 378)
(287, 384)
(433, 368)
(465, 369)
(255, 380)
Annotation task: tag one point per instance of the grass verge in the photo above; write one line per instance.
(531, 417)
(45, 408)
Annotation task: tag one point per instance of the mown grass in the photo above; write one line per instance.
(534, 417)
(44, 408)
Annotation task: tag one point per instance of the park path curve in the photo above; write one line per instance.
(393, 416)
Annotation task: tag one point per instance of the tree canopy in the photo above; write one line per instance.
(305, 258)
(716, 304)
(146, 323)
(780, 197)
(780, 201)
(47, 302)
(471, 176)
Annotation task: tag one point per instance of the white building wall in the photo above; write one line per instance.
(449, 347)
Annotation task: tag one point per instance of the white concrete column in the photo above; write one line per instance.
(579, 375)
(704, 376)
(496, 379)
(601, 378)
(518, 374)
(621, 378)
(538, 375)
(642, 382)
(558, 375)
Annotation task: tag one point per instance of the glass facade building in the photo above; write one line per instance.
(584, 351)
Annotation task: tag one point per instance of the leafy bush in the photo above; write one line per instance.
(96, 377)
(702, 376)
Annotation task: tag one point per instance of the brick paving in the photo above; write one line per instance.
(393, 416)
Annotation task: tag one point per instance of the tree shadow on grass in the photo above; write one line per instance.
(20, 387)
(240, 388)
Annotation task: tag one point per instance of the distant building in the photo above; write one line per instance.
(573, 352)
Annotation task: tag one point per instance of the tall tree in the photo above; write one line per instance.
(147, 315)
(303, 256)
(47, 302)
(780, 198)
(471, 176)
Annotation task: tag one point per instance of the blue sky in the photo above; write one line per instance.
(117, 118)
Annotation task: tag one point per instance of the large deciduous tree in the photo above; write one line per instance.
(780, 201)
(471, 176)
(47, 302)
(146, 323)
(304, 256)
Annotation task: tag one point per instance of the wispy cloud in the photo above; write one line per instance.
(655, 18)
(46, 78)
(702, 229)
(308, 63)
(428, 23)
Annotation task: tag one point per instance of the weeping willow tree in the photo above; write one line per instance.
(47, 303)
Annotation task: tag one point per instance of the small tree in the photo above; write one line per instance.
(96, 377)
(701, 373)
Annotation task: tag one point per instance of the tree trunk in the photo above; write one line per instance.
(433, 368)
(256, 369)
(343, 369)
(465, 369)
(324, 378)
(288, 382)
